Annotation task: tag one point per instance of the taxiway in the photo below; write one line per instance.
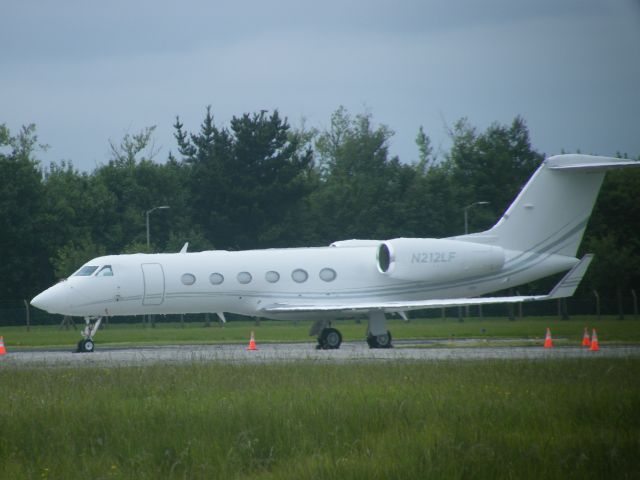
(295, 352)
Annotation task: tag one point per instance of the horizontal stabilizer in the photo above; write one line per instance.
(597, 166)
(565, 288)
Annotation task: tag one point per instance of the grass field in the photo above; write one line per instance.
(552, 418)
(489, 419)
(610, 330)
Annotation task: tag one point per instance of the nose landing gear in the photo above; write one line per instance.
(87, 345)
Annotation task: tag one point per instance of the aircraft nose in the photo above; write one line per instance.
(53, 300)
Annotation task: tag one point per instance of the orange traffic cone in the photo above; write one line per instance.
(3, 351)
(547, 339)
(252, 343)
(586, 342)
(594, 342)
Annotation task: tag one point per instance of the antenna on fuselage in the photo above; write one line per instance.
(184, 248)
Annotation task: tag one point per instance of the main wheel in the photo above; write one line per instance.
(330, 339)
(379, 341)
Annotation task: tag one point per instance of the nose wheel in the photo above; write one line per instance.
(86, 345)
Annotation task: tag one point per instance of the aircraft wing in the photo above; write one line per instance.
(565, 288)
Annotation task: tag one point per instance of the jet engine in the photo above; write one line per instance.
(432, 259)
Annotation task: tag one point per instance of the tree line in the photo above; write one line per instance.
(260, 183)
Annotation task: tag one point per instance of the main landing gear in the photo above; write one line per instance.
(377, 334)
(379, 341)
(87, 345)
(330, 338)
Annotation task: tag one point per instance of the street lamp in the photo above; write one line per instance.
(163, 207)
(466, 216)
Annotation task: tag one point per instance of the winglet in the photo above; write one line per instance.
(567, 286)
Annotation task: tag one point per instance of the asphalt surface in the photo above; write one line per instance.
(294, 352)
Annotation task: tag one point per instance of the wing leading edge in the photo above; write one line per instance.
(565, 288)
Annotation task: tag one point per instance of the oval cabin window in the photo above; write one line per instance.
(328, 274)
(299, 275)
(188, 279)
(216, 278)
(272, 277)
(244, 277)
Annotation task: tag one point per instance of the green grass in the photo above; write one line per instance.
(610, 330)
(575, 418)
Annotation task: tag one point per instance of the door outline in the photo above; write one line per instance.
(154, 284)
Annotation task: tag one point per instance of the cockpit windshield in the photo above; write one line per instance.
(86, 271)
(105, 271)
(89, 270)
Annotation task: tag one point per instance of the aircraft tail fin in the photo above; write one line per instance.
(550, 214)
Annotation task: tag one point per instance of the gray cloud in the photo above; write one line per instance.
(85, 72)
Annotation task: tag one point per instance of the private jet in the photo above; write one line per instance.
(537, 236)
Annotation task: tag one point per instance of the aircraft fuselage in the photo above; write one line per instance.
(246, 282)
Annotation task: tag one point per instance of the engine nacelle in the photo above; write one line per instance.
(432, 259)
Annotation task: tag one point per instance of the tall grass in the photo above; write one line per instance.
(576, 418)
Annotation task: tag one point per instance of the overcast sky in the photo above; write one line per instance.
(88, 71)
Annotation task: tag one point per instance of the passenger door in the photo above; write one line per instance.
(153, 276)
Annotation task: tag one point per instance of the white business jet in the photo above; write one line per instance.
(537, 236)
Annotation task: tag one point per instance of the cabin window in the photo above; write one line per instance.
(244, 278)
(272, 277)
(299, 275)
(216, 278)
(328, 274)
(188, 279)
(105, 271)
(86, 271)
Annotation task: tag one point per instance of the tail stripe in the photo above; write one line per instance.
(563, 241)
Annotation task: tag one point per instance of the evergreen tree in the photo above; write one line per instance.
(248, 182)
(491, 167)
(363, 191)
(25, 264)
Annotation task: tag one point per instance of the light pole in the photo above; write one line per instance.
(163, 207)
(466, 215)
